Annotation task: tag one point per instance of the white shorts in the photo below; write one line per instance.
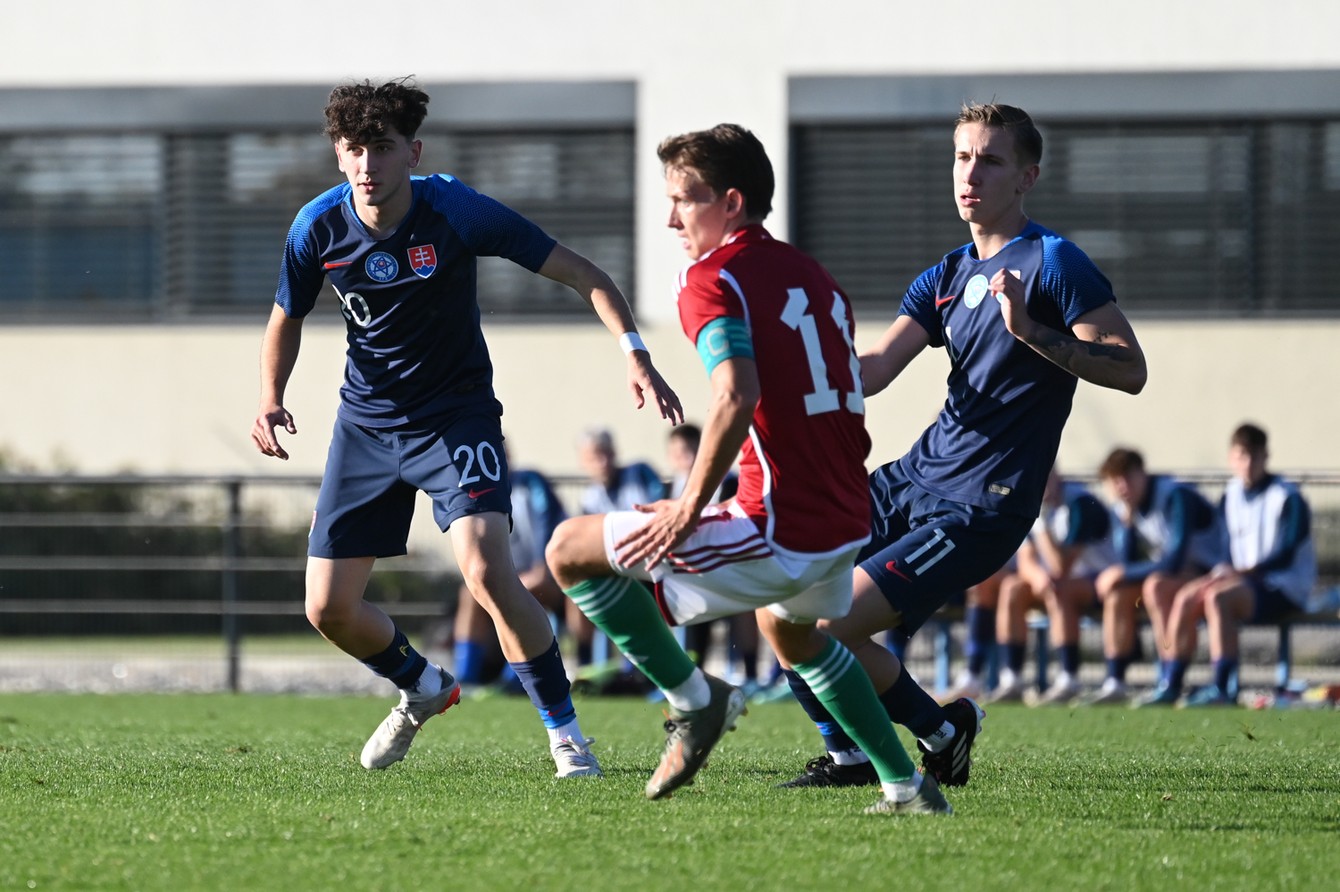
(727, 567)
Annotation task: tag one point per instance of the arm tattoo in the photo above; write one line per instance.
(1071, 353)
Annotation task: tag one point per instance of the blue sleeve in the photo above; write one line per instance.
(1294, 528)
(1070, 279)
(547, 506)
(1123, 541)
(652, 482)
(300, 273)
(1180, 516)
(1090, 521)
(487, 227)
(919, 303)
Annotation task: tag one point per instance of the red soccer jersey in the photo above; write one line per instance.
(802, 470)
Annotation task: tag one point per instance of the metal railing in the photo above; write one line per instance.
(222, 556)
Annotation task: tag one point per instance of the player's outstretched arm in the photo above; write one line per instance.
(1103, 351)
(602, 295)
(898, 346)
(735, 394)
(279, 353)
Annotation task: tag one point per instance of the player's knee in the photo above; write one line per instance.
(328, 617)
(557, 554)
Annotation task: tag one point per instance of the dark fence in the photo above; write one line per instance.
(222, 558)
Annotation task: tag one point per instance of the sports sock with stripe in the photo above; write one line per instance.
(836, 740)
(546, 683)
(623, 610)
(842, 686)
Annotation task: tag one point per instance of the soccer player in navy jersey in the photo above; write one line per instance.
(775, 334)
(1270, 573)
(1023, 314)
(417, 409)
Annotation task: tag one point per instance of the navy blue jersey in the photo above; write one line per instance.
(416, 350)
(995, 441)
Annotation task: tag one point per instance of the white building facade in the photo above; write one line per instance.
(158, 157)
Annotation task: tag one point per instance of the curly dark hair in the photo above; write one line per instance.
(362, 112)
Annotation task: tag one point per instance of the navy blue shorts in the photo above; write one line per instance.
(1270, 604)
(367, 493)
(925, 549)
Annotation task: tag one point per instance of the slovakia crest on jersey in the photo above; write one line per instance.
(423, 260)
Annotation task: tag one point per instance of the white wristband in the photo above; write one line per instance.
(630, 341)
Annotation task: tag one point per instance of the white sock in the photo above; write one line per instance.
(903, 790)
(848, 757)
(430, 681)
(571, 730)
(690, 695)
(940, 739)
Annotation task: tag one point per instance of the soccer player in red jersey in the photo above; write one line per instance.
(775, 334)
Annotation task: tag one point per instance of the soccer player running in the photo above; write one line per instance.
(1023, 314)
(775, 333)
(417, 409)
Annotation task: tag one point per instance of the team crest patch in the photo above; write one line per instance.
(975, 291)
(423, 260)
(381, 267)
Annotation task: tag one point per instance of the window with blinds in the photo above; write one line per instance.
(1192, 218)
(167, 225)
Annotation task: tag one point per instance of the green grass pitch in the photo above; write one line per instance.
(264, 792)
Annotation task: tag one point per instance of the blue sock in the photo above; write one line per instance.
(1014, 656)
(1117, 666)
(981, 623)
(469, 657)
(546, 683)
(1068, 655)
(835, 739)
(400, 662)
(1226, 675)
(908, 705)
(1176, 674)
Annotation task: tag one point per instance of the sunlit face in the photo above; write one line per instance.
(1128, 489)
(989, 181)
(379, 171)
(679, 455)
(703, 219)
(1247, 466)
(598, 463)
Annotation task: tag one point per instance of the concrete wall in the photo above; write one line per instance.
(180, 398)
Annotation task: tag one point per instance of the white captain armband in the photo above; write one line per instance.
(630, 341)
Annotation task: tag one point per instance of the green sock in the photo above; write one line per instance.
(845, 690)
(622, 609)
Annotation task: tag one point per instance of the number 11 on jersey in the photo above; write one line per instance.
(796, 315)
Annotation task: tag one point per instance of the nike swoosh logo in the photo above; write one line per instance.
(476, 494)
(941, 301)
(339, 263)
(892, 567)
